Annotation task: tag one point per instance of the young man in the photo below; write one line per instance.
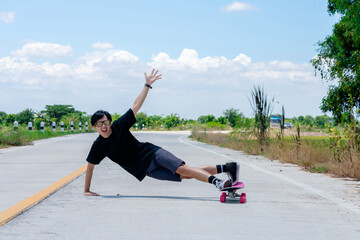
(145, 159)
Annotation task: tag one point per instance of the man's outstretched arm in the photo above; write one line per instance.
(149, 80)
(88, 177)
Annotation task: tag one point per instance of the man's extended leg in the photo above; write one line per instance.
(165, 163)
(187, 172)
(198, 173)
(211, 169)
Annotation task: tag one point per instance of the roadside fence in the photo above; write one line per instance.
(53, 126)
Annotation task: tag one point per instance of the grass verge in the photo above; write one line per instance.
(315, 154)
(23, 137)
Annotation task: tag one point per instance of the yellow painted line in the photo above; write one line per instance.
(25, 204)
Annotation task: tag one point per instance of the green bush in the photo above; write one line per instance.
(12, 138)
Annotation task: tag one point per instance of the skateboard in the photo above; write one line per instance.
(231, 193)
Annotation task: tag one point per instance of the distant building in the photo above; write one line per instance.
(275, 122)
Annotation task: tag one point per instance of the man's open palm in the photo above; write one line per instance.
(150, 79)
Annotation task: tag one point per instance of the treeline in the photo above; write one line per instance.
(235, 119)
(231, 119)
(52, 113)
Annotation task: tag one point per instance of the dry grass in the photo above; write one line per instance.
(315, 154)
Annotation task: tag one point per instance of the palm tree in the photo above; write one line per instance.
(262, 109)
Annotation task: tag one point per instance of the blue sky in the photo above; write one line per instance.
(92, 54)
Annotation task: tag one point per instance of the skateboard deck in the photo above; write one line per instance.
(230, 192)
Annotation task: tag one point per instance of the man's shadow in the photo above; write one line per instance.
(118, 196)
(206, 199)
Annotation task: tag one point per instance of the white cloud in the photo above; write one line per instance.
(121, 56)
(242, 59)
(100, 45)
(7, 17)
(189, 59)
(43, 50)
(108, 64)
(191, 86)
(96, 66)
(229, 74)
(239, 6)
(56, 70)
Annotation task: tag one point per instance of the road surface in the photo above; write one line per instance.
(283, 202)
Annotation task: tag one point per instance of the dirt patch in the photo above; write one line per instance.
(289, 132)
(312, 134)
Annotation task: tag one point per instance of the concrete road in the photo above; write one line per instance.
(283, 201)
(29, 169)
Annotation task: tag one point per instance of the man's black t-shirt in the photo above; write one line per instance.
(123, 148)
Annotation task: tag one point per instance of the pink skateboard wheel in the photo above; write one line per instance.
(223, 197)
(243, 198)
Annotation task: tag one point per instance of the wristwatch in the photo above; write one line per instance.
(147, 85)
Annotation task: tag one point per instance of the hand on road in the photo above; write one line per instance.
(91, 194)
(152, 77)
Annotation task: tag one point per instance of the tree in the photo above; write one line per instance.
(294, 120)
(58, 111)
(301, 119)
(282, 121)
(223, 120)
(115, 116)
(172, 120)
(25, 116)
(232, 115)
(308, 120)
(155, 120)
(241, 121)
(141, 118)
(339, 59)
(10, 119)
(322, 121)
(206, 119)
(262, 109)
(2, 116)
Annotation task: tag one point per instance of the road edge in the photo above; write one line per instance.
(22, 206)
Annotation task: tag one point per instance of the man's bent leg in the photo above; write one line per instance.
(187, 172)
(210, 169)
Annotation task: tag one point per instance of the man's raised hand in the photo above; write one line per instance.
(150, 79)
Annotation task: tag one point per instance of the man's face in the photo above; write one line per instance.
(105, 129)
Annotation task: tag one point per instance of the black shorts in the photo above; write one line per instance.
(164, 165)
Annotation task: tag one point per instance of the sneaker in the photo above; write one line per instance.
(221, 184)
(233, 170)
